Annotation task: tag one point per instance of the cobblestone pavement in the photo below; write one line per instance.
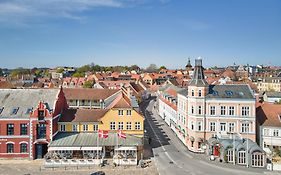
(26, 167)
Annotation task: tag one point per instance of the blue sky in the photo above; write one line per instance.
(40, 33)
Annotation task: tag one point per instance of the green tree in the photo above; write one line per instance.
(88, 84)
(78, 74)
(162, 67)
(59, 70)
(1, 72)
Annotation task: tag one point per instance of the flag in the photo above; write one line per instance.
(103, 134)
(121, 134)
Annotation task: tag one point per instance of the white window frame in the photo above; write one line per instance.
(245, 127)
(75, 127)
(129, 112)
(62, 127)
(112, 126)
(242, 157)
(85, 127)
(224, 126)
(245, 111)
(120, 112)
(223, 110)
(137, 126)
(120, 125)
(231, 110)
(129, 125)
(212, 110)
(212, 126)
(231, 127)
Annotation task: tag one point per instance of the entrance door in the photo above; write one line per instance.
(41, 150)
(216, 151)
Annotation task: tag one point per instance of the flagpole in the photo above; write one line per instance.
(98, 145)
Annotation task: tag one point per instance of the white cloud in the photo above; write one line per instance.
(22, 11)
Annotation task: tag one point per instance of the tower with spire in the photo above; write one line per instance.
(188, 67)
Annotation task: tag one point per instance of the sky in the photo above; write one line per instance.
(40, 33)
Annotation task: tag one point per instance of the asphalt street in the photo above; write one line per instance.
(172, 157)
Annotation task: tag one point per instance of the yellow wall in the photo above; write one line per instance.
(112, 116)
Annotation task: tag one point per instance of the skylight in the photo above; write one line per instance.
(215, 93)
(229, 93)
(29, 110)
(14, 111)
(1, 109)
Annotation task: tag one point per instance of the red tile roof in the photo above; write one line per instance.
(268, 114)
(82, 115)
(90, 94)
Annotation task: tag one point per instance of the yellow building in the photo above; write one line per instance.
(120, 115)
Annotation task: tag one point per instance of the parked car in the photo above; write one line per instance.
(98, 173)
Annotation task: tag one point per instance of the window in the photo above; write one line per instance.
(229, 155)
(62, 127)
(229, 93)
(129, 126)
(245, 110)
(137, 126)
(231, 110)
(266, 132)
(257, 160)
(120, 112)
(199, 124)
(199, 145)
(192, 109)
(74, 128)
(120, 125)
(242, 157)
(231, 127)
(192, 125)
(199, 110)
(10, 129)
(41, 131)
(199, 93)
(112, 126)
(129, 112)
(223, 126)
(223, 110)
(1, 109)
(95, 127)
(212, 110)
(10, 148)
(29, 110)
(275, 132)
(85, 127)
(14, 111)
(23, 148)
(40, 115)
(192, 93)
(245, 128)
(212, 126)
(23, 129)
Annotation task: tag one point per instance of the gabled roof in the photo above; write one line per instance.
(82, 115)
(88, 94)
(268, 114)
(24, 99)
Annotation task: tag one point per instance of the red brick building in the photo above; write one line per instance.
(28, 121)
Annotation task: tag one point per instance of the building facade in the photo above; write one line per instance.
(28, 119)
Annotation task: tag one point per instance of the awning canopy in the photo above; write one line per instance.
(91, 148)
(63, 148)
(90, 141)
(123, 148)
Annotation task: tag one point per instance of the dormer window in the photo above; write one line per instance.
(29, 110)
(40, 115)
(1, 109)
(14, 111)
